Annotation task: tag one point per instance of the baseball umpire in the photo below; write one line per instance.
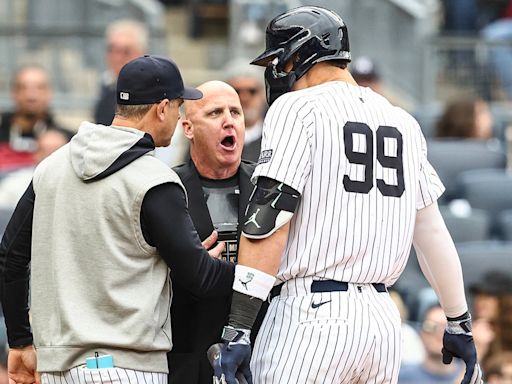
(343, 187)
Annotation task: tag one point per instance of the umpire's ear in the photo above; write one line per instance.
(188, 128)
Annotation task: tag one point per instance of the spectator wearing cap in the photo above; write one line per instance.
(247, 80)
(366, 74)
(98, 229)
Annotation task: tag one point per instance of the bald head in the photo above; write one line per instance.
(210, 90)
(215, 127)
(125, 40)
(31, 91)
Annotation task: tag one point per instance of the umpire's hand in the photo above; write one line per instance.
(458, 342)
(233, 359)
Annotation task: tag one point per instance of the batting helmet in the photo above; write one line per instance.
(306, 35)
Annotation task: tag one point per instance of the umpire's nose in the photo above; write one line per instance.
(229, 121)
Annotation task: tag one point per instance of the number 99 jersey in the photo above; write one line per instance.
(361, 167)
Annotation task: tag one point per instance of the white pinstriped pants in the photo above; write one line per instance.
(82, 375)
(353, 337)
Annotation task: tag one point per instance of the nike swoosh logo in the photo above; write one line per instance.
(316, 305)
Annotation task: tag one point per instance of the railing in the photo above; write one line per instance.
(395, 33)
(67, 38)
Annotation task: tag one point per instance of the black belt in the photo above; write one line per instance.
(327, 286)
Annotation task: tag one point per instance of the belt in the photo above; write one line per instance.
(327, 286)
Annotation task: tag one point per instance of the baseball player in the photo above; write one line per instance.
(343, 187)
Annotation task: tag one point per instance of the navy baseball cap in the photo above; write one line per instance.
(150, 79)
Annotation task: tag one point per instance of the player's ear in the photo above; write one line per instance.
(161, 109)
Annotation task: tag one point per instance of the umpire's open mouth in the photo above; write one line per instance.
(228, 143)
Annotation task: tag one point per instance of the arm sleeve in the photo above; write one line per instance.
(430, 187)
(439, 260)
(167, 225)
(286, 145)
(15, 254)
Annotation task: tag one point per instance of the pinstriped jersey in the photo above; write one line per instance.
(360, 165)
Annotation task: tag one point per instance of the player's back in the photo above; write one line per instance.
(364, 176)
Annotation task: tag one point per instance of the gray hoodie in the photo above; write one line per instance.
(97, 285)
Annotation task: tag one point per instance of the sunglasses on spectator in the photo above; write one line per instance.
(250, 91)
(430, 326)
(113, 48)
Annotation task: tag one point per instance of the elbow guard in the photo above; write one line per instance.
(270, 206)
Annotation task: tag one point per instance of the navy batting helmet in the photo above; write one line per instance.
(306, 35)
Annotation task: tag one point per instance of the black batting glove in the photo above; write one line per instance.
(458, 342)
(232, 365)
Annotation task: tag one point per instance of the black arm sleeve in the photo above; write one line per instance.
(15, 253)
(166, 224)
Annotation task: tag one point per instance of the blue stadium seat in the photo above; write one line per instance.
(452, 157)
(427, 116)
(505, 225)
(475, 226)
(5, 216)
(490, 190)
(478, 258)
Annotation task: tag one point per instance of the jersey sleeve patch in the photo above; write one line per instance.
(265, 156)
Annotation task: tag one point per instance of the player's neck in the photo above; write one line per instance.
(322, 73)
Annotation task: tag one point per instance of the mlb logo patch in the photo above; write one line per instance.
(265, 156)
(124, 95)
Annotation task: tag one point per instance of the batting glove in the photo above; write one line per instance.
(234, 357)
(458, 342)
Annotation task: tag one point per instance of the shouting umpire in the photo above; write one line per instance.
(218, 187)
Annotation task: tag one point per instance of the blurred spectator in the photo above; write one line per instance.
(498, 34)
(365, 73)
(504, 323)
(248, 83)
(31, 115)
(4, 351)
(467, 118)
(413, 351)
(486, 293)
(125, 40)
(492, 304)
(460, 16)
(431, 370)
(16, 182)
(499, 369)
(484, 336)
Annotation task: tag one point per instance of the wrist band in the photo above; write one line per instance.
(236, 335)
(253, 282)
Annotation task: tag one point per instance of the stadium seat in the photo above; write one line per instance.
(452, 157)
(410, 283)
(427, 116)
(490, 190)
(505, 224)
(473, 226)
(478, 258)
(5, 216)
